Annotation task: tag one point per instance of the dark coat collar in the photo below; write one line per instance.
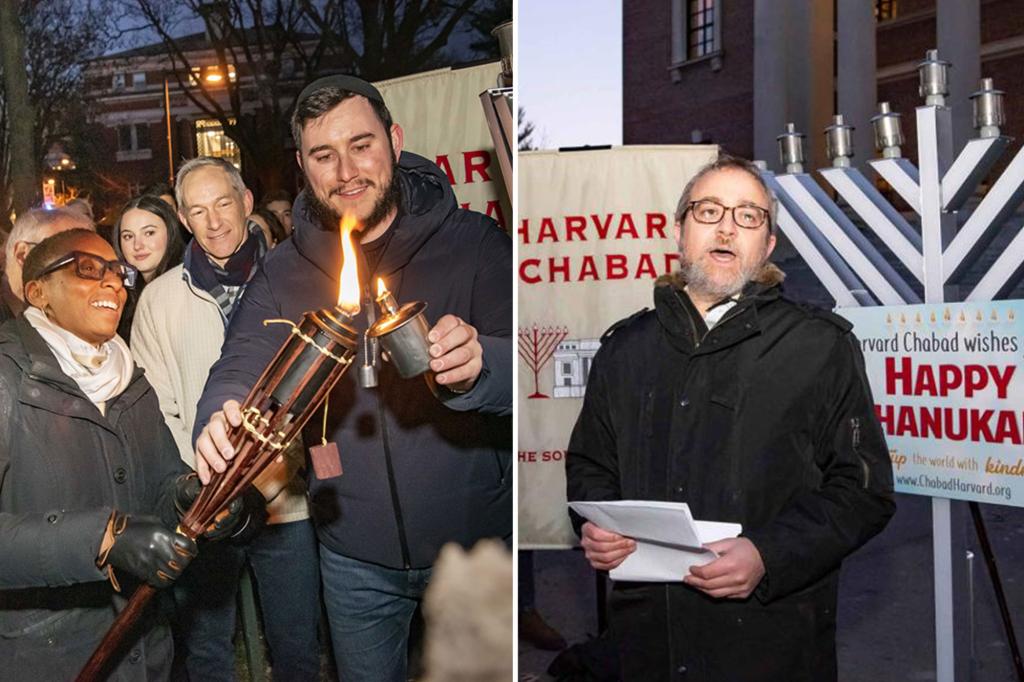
(684, 326)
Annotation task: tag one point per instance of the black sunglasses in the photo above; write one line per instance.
(91, 266)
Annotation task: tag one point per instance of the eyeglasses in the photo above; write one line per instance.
(90, 266)
(710, 212)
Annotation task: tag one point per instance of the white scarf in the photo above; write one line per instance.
(102, 373)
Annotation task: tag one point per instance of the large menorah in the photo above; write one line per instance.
(937, 253)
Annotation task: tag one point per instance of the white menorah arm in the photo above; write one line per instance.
(827, 275)
(974, 162)
(880, 216)
(981, 228)
(902, 176)
(869, 265)
(1004, 274)
(832, 271)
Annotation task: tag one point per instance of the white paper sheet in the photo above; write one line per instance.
(668, 540)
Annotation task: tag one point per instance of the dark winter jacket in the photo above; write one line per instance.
(766, 421)
(418, 472)
(63, 467)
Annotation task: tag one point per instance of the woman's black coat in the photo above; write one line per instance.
(63, 467)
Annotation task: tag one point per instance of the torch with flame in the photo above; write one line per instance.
(292, 387)
(348, 281)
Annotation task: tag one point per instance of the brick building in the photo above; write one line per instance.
(733, 72)
(131, 119)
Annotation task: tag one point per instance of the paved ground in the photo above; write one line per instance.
(886, 605)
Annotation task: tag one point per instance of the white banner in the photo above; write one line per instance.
(443, 120)
(595, 231)
(949, 392)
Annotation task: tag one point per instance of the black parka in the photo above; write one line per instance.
(767, 421)
(63, 467)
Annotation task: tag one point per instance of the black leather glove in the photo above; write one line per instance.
(142, 546)
(242, 519)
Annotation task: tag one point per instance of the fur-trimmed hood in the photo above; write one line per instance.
(768, 276)
(680, 318)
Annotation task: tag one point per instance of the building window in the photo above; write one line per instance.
(133, 142)
(885, 10)
(139, 80)
(211, 141)
(133, 137)
(696, 34)
(700, 28)
(118, 81)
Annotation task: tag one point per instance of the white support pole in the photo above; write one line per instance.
(935, 152)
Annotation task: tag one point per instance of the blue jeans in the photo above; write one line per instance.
(284, 563)
(369, 608)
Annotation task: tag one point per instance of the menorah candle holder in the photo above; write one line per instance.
(402, 332)
(292, 387)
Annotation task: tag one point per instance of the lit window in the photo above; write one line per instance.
(885, 10)
(211, 141)
(212, 76)
(700, 28)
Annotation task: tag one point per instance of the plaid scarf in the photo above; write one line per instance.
(226, 284)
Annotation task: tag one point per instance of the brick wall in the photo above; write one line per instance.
(657, 110)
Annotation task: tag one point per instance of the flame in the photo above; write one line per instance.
(348, 280)
(381, 289)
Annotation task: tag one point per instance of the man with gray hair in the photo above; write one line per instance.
(752, 409)
(31, 227)
(177, 335)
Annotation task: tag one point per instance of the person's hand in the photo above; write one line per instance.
(143, 547)
(456, 352)
(213, 449)
(245, 513)
(604, 549)
(733, 575)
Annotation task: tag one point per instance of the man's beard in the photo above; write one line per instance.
(330, 219)
(700, 280)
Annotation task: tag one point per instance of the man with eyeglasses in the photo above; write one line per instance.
(752, 409)
(31, 227)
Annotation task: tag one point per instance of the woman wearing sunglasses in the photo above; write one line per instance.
(90, 479)
(148, 237)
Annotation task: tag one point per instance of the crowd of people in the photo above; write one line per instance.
(122, 364)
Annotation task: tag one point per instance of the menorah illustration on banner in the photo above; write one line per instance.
(536, 346)
(937, 253)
